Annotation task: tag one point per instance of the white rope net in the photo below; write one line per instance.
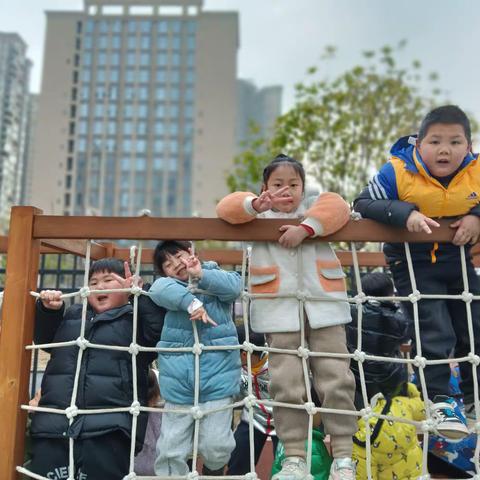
(427, 426)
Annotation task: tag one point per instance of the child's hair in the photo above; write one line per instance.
(377, 284)
(112, 265)
(153, 388)
(279, 160)
(447, 114)
(166, 248)
(258, 339)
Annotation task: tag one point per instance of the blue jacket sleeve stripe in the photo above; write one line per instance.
(383, 185)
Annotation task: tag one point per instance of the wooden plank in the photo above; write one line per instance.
(76, 247)
(17, 331)
(154, 228)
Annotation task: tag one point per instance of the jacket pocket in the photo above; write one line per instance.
(331, 275)
(264, 279)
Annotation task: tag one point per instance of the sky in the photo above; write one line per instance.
(280, 39)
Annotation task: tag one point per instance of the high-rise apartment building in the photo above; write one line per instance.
(137, 108)
(32, 122)
(260, 106)
(14, 99)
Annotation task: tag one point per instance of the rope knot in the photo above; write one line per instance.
(130, 476)
(82, 343)
(359, 356)
(310, 408)
(251, 476)
(133, 349)
(420, 362)
(197, 349)
(467, 297)
(244, 295)
(428, 425)
(196, 413)
(367, 414)
(71, 412)
(136, 290)
(310, 476)
(301, 296)
(414, 296)
(192, 475)
(135, 408)
(303, 352)
(84, 292)
(248, 347)
(250, 401)
(360, 298)
(356, 216)
(474, 359)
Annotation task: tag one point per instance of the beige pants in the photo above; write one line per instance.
(332, 380)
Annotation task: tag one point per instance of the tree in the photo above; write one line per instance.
(342, 128)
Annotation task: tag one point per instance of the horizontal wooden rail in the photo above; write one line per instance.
(152, 228)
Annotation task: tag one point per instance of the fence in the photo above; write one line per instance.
(32, 233)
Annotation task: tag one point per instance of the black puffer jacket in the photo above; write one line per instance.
(105, 379)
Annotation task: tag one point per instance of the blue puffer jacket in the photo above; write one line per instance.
(219, 370)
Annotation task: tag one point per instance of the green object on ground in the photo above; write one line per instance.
(321, 460)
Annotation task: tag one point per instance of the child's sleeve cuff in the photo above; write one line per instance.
(314, 225)
(247, 205)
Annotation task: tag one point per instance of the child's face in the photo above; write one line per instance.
(174, 267)
(286, 175)
(101, 302)
(443, 148)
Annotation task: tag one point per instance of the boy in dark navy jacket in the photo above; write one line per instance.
(101, 441)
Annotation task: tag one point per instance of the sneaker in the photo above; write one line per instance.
(342, 469)
(451, 422)
(293, 468)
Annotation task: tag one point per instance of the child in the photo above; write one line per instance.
(431, 176)
(102, 441)
(262, 414)
(289, 269)
(395, 452)
(384, 329)
(219, 369)
(145, 459)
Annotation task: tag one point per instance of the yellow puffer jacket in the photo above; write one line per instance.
(396, 452)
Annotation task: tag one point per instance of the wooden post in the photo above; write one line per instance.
(16, 332)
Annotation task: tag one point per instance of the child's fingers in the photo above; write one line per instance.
(284, 228)
(207, 319)
(455, 224)
(425, 227)
(431, 222)
(281, 191)
(126, 267)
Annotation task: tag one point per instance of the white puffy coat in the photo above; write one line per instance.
(311, 271)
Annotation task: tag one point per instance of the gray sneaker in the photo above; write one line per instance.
(293, 468)
(342, 469)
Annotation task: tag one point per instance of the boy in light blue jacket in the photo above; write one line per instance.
(209, 303)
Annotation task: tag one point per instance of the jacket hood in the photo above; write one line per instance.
(404, 148)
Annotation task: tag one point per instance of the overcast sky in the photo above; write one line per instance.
(280, 39)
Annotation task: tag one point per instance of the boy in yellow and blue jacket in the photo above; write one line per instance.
(431, 176)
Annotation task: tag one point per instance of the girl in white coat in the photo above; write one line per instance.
(305, 277)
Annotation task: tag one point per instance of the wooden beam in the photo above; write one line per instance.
(154, 228)
(76, 247)
(16, 332)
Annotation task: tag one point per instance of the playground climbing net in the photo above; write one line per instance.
(427, 426)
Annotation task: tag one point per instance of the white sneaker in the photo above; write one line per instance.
(342, 469)
(293, 468)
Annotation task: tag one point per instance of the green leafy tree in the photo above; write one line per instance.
(342, 128)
